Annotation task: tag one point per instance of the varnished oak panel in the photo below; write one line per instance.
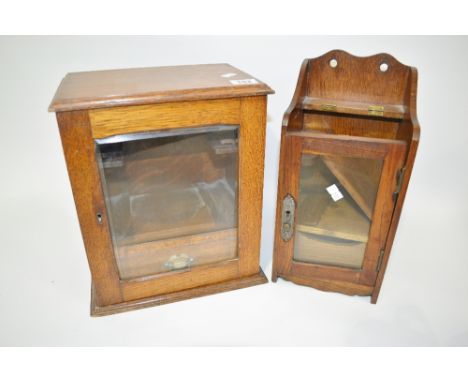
(135, 119)
(211, 247)
(238, 283)
(351, 289)
(410, 131)
(359, 81)
(111, 88)
(78, 148)
(353, 103)
(95, 105)
(359, 126)
(288, 184)
(332, 144)
(180, 280)
(251, 162)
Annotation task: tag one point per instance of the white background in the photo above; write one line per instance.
(44, 276)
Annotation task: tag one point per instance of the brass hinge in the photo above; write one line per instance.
(399, 182)
(376, 110)
(328, 107)
(379, 261)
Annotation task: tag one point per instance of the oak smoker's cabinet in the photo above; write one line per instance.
(166, 168)
(348, 144)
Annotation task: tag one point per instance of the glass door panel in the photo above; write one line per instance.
(336, 200)
(171, 198)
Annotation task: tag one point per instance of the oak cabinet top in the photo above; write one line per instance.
(108, 88)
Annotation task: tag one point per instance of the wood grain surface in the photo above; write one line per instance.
(228, 260)
(110, 88)
(346, 101)
(78, 148)
(172, 115)
(243, 282)
(251, 164)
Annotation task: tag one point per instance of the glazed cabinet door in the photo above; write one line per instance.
(167, 195)
(335, 203)
(171, 198)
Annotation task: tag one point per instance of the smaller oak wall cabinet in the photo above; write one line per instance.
(348, 145)
(166, 168)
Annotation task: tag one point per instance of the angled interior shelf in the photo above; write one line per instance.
(332, 222)
(360, 178)
(319, 214)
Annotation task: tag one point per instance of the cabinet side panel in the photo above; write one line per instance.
(395, 219)
(410, 131)
(82, 168)
(251, 163)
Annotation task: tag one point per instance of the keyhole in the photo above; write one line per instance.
(99, 217)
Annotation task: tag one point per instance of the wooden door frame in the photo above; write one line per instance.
(78, 130)
(294, 145)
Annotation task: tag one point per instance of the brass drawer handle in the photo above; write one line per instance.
(180, 261)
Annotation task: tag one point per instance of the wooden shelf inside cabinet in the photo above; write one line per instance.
(334, 223)
(166, 167)
(348, 146)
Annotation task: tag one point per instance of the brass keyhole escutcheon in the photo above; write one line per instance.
(180, 261)
(287, 217)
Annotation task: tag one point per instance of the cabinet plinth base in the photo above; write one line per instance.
(348, 288)
(244, 282)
